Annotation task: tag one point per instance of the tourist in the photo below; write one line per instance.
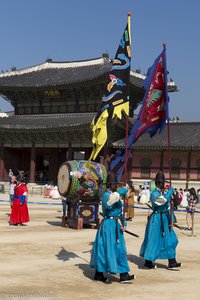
(64, 206)
(198, 195)
(143, 198)
(175, 203)
(172, 201)
(139, 193)
(184, 202)
(176, 198)
(148, 194)
(180, 195)
(160, 240)
(55, 193)
(13, 184)
(130, 210)
(10, 173)
(19, 214)
(109, 250)
(192, 201)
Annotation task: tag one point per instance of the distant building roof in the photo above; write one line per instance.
(52, 73)
(29, 122)
(184, 136)
(55, 73)
(137, 79)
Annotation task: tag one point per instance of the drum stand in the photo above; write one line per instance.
(82, 213)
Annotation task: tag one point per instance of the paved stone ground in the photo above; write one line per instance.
(45, 261)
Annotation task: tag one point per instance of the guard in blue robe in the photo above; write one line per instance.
(109, 250)
(160, 240)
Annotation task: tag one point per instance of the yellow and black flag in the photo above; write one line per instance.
(116, 99)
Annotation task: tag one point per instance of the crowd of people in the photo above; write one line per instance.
(182, 198)
(51, 191)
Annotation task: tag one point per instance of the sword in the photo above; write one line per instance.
(175, 225)
(127, 231)
(131, 233)
(149, 206)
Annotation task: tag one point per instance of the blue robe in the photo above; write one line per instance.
(109, 255)
(159, 242)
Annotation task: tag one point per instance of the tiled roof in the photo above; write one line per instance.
(28, 122)
(184, 136)
(55, 73)
(52, 73)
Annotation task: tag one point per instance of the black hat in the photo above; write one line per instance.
(20, 178)
(160, 177)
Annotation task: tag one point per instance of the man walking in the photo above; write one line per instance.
(160, 240)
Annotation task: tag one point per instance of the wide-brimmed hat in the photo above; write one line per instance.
(160, 177)
(20, 178)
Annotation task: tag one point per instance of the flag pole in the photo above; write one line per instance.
(168, 138)
(170, 169)
(126, 149)
(126, 154)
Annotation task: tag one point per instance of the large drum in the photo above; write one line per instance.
(78, 180)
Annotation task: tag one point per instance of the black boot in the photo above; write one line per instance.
(99, 277)
(149, 264)
(126, 277)
(173, 263)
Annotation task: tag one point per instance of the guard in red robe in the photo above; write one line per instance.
(19, 213)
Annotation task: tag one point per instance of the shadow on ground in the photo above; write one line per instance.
(89, 273)
(65, 255)
(54, 223)
(139, 261)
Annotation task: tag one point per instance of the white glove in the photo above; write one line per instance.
(114, 197)
(160, 200)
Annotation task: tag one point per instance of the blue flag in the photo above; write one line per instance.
(153, 113)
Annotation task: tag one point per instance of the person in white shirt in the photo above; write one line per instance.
(13, 183)
(148, 194)
(143, 199)
(184, 202)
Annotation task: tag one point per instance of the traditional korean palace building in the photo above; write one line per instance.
(151, 155)
(54, 104)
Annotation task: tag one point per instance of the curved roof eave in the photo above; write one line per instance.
(56, 65)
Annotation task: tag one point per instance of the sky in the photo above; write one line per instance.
(33, 30)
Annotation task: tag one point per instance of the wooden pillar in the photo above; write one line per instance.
(132, 163)
(129, 168)
(106, 156)
(161, 160)
(188, 169)
(88, 152)
(70, 152)
(2, 165)
(51, 166)
(55, 169)
(66, 154)
(32, 164)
